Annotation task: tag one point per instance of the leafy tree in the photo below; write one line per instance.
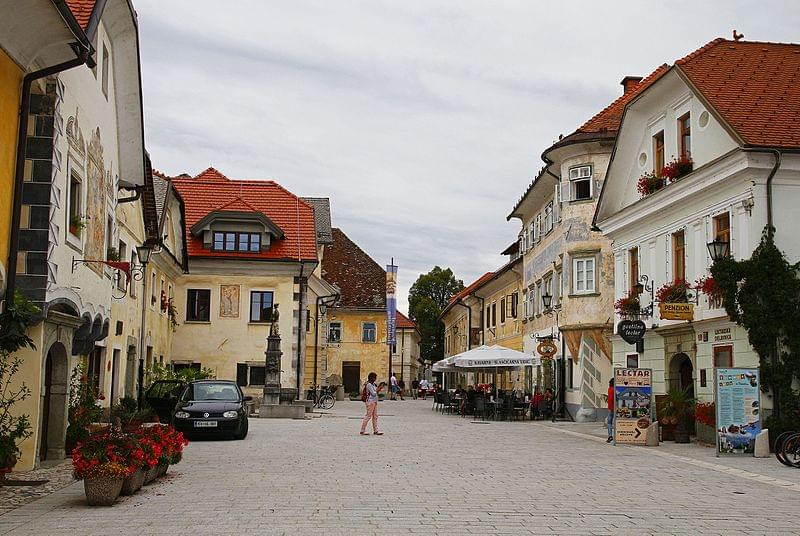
(762, 294)
(428, 296)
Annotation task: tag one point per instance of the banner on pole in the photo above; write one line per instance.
(738, 402)
(391, 303)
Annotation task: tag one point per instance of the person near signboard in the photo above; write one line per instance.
(610, 420)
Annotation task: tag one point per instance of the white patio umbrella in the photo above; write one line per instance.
(491, 358)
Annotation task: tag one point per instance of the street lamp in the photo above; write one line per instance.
(547, 300)
(718, 249)
(143, 253)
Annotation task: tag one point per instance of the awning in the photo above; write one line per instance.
(491, 357)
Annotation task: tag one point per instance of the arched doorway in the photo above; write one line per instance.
(682, 372)
(55, 390)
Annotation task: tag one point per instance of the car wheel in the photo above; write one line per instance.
(243, 429)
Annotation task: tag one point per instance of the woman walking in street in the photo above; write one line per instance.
(610, 421)
(370, 397)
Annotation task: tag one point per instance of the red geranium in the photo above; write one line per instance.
(705, 413)
(675, 292)
(106, 454)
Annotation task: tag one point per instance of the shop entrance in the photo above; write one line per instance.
(53, 425)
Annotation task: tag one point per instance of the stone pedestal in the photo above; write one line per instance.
(272, 407)
(762, 444)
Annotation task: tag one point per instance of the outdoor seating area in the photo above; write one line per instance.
(507, 405)
(485, 401)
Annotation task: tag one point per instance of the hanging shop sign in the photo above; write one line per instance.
(547, 349)
(633, 395)
(738, 406)
(631, 331)
(676, 311)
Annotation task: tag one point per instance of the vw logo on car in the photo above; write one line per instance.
(205, 415)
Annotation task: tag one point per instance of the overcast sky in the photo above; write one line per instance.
(423, 121)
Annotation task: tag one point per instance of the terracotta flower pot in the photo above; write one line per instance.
(151, 474)
(133, 483)
(102, 490)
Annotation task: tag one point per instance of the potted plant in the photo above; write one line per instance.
(124, 414)
(83, 408)
(650, 182)
(677, 168)
(705, 419)
(103, 462)
(172, 312)
(678, 405)
(674, 292)
(132, 452)
(628, 305)
(13, 429)
(76, 224)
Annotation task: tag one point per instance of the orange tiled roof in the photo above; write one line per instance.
(754, 86)
(403, 322)
(608, 119)
(82, 10)
(468, 290)
(203, 194)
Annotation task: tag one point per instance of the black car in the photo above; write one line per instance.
(212, 407)
(162, 396)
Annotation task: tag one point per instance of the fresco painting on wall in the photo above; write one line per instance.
(95, 203)
(229, 301)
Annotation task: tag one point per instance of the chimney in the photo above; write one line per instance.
(629, 83)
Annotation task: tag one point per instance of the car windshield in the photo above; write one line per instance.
(211, 391)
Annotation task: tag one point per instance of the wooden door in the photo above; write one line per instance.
(351, 376)
(48, 385)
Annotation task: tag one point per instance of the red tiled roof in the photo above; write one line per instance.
(754, 86)
(608, 119)
(203, 193)
(361, 281)
(468, 290)
(82, 10)
(403, 322)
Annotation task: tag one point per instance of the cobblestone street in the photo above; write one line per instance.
(434, 474)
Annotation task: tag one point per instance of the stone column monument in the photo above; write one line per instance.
(271, 407)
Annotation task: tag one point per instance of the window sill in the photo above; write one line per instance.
(584, 295)
(197, 321)
(581, 201)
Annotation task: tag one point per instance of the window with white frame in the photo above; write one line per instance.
(548, 217)
(531, 235)
(580, 179)
(531, 302)
(538, 304)
(525, 305)
(558, 286)
(583, 278)
(369, 332)
(538, 227)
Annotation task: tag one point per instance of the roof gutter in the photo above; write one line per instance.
(83, 57)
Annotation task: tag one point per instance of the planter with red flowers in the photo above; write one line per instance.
(709, 287)
(677, 168)
(674, 300)
(649, 183)
(103, 462)
(628, 306)
(162, 446)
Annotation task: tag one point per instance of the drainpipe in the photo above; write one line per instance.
(84, 56)
(771, 176)
(300, 328)
(137, 193)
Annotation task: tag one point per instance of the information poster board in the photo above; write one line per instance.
(738, 406)
(633, 396)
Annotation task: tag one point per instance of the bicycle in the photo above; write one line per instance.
(323, 397)
(787, 449)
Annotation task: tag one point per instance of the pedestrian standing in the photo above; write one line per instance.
(402, 388)
(370, 397)
(395, 388)
(610, 419)
(536, 403)
(423, 386)
(414, 388)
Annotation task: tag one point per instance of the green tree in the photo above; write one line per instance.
(762, 294)
(428, 296)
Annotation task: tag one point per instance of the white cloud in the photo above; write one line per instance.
(424, 120)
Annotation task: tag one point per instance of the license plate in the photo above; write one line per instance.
(205, 424)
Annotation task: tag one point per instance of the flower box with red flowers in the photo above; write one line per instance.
(677, 168)
(650, 182)
(628, 305)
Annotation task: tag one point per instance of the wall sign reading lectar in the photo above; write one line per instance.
(738, 401)
(633, 395)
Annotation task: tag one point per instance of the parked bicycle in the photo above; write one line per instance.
(787, 449)
(323, 396)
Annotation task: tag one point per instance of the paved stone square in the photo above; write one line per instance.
(434, 474)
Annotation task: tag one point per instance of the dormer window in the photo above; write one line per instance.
(243, 242)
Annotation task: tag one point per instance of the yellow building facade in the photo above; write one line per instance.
(10, 84)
